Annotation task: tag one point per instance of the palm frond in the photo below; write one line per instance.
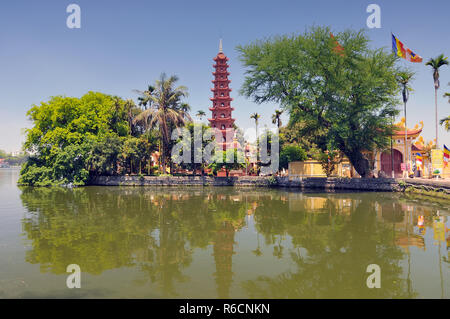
(446, 122)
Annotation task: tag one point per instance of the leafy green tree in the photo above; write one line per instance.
(64, 131)
(291, 153)
(130, 153)
(349, 96)
(104, 155)
(436, 64)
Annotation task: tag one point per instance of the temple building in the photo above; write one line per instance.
(383, 160)
(221, 109)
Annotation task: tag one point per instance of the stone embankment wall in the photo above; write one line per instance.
(359, 184)
(426, 186)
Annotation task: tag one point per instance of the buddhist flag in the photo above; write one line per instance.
(337, 47)
(402, 51)
(446, 155)
(419, 161)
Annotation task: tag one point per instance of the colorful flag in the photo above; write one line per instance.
(419, 161)
(337, 47)
(446, 155)
(402, 51)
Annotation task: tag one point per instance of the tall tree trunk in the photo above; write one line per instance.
(163, 157)
(359, 162)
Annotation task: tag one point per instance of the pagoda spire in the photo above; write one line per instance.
(221, 109)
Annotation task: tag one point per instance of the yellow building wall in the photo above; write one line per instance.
(437, 162)
(306, 169)
(312, 168)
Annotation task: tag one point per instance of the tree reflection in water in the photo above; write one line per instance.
(340, 242)
(328, 239)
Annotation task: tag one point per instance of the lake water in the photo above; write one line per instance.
(138, 242)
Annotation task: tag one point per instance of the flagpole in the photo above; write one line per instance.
(436, 116)
(392, 153)
(399, 49)
(406, 142)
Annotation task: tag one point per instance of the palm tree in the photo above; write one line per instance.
(446, 120)
(435, 65)
(185, 109)
(403, 79)
(276, 118)
(256, 117)
(165, 110)
(200, 114)
(144, 98)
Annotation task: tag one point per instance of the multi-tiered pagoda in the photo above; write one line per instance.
(221, 109)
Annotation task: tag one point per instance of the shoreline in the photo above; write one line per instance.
(333, 183)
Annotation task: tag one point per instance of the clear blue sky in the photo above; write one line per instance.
(125, 45)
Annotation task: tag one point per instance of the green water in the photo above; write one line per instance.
(136, 242)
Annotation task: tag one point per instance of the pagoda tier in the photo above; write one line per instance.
(222, 120)
(219, 89)
(221, 109)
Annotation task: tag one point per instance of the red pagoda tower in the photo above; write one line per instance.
(221, 109)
